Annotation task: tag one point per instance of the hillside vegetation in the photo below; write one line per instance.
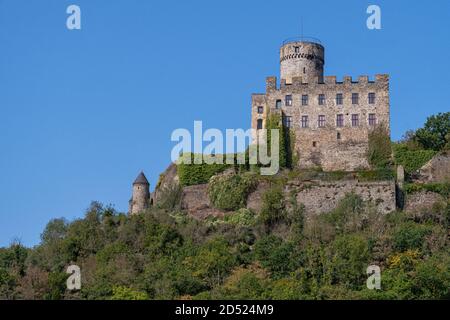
(277, 253)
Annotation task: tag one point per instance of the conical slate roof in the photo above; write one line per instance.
(141, 179)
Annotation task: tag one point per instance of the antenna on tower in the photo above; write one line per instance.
(301, 28)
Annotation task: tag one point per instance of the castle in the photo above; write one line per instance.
(330, 119)
(331, 122)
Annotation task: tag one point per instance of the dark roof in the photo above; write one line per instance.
(141, 179)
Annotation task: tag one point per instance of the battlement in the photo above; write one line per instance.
(271, 82)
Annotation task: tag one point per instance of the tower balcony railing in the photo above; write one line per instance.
(302, 39)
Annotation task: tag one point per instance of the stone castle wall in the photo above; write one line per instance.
(321, 146)
(316, 196)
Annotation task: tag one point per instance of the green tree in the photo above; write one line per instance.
(434, 134)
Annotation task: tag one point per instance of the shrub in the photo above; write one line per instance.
(411, 160)
(379, 152)
(242, 217)
(410, 235)
(273, 209)
(229, 192)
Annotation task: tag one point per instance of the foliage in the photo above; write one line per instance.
(164, 254)
(242, 217)
(376, 175)
(229, 192)
(379, 152)
(125, 293)
(273, 208)
(410, 235)
(434, 134)
(441, 188)
(411, 160)
(192, 173)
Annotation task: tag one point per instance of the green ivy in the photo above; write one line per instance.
(193, 174)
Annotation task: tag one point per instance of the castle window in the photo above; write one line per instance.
(338, 136)
(304, 70)
(372, 119)
(314, 143)
(355, 120)
(304, 100)
(278, 104)
(340, 120)
(321, 121)
(355, 98)
(288, 100)
(339, 99)
(260, 110)
(304, 122)
(287, 121)
(321, 99)
(297, 49)
(259, 124)
(371, 98)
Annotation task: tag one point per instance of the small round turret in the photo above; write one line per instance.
(141, 194)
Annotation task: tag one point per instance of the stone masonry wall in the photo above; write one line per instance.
(316, 196)
(321, 146)
(319, 197)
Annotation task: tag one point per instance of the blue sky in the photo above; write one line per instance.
(83, 111)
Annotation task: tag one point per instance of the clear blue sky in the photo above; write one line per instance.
(82, 112)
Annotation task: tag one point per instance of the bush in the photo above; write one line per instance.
(411, 160)
(229, 192)
(273, 209)
(192, 174)
(379, 153)
(242, 217)
(410, 235)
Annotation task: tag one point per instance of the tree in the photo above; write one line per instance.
(434, 134)
(379, 153)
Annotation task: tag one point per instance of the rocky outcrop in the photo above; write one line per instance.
(167, 179)
(437, 170)
(195, 200)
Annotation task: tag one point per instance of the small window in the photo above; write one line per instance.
(287, 121)
(339, 99)
(321, 99)
(355, 120)
(297, 49)
(340, 120)
(371, 98)
(304, 70)
(372, 119)
(314, 144)
(355, 98)
(304, 100)
(288, 101)
(278, 104)
(260, 110)
(259, 124)
(304, 122)
(321, 121)
(338, 136)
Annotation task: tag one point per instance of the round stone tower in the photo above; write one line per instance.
(140, 199)
(301, 58)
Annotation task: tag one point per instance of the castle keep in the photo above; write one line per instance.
(330, 119)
